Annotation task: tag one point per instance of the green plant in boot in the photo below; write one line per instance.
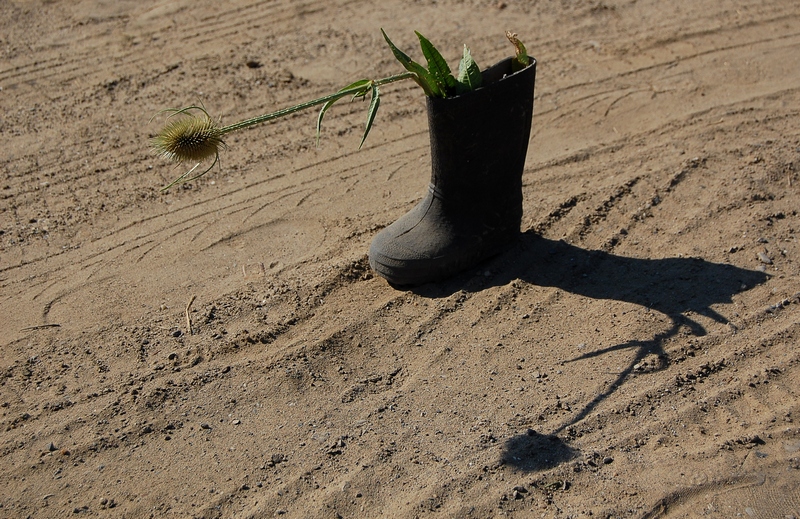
(192, 136)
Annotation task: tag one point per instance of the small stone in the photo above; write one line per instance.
(205, 426)
(607, 460)
(236, 422)
(177, 333)
(52, 447)
(277, 458)
(763, 258)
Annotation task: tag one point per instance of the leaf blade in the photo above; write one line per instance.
(374, 103)
(521, 60)
(437, 65)
(358, 89)
(423, 77)
(469, 73)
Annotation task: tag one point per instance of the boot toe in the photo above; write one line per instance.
(414, 258)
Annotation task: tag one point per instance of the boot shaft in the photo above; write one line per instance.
(479, 142)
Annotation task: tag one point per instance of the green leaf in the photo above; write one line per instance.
(358, 89)
(423, 78)
(437, 65)
(469, 73)
(521, 60)
(374, 103)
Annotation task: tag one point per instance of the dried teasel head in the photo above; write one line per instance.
(189, 137)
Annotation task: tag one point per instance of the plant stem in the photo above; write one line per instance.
(308, 104)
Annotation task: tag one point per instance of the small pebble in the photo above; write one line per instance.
(608, 459)
(764, 258)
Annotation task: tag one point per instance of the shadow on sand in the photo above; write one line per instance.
(675, 287)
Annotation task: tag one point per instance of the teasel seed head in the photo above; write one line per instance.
(189, 137)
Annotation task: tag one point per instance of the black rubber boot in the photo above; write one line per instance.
(473, 208)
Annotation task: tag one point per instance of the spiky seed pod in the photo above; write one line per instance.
(189, 138)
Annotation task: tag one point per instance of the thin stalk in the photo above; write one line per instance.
(360, 90)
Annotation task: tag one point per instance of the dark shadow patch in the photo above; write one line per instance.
(534, 452)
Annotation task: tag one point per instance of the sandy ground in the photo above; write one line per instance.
(636, 355)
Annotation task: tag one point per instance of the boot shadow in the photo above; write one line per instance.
(672, 286)
(675, 287)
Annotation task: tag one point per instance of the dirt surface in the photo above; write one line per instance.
(635, 355)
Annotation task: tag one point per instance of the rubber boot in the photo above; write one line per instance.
(473, 208)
